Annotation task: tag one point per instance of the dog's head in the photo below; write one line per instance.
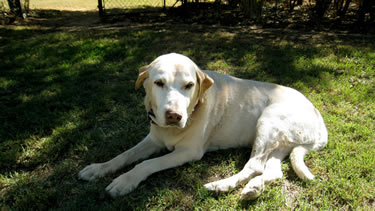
(174, 86)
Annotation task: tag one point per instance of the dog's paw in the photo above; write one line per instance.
(218, 186)
(92, 172)
(122, 185)
(251, 193)
(253, 189)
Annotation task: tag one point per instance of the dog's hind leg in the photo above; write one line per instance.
(271, 138)
(271, 172)
(254, 167)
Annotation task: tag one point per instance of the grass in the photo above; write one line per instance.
(67, 99)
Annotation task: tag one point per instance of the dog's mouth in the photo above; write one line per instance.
(152, 117)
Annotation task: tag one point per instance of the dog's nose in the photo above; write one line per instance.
(173, 117)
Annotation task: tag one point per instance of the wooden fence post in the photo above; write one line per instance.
(100, 6)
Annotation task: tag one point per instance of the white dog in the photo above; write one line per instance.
(193, 111)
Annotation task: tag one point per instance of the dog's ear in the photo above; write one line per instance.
(205, 82)
(142, 76)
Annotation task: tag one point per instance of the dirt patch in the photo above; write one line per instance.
(290, 192)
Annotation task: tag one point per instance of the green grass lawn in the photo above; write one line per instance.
(67, 99)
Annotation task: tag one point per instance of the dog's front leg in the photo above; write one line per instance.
(141, 151)
(130, 180)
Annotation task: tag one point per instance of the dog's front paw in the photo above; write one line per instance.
(122, 185)
(218, 186)
(92, 172)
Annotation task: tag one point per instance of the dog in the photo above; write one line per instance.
(192, 112)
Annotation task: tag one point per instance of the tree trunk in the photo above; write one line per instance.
(341, 6)
(365, 6)
(15, 7)
(343, 11)
(321, 7)
(252, 8)
(292, 4)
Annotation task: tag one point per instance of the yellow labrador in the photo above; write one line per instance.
(193, 111)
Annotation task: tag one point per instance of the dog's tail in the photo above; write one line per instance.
(298, 164)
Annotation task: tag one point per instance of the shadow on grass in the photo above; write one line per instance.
(67, 99)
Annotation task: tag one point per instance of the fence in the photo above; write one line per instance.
(128, 4)
(72, 5)
(108, 6)
(81, 5)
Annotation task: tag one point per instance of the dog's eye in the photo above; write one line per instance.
(159, 84)
(189, 86)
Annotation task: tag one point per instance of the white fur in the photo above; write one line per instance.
(218, 112)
